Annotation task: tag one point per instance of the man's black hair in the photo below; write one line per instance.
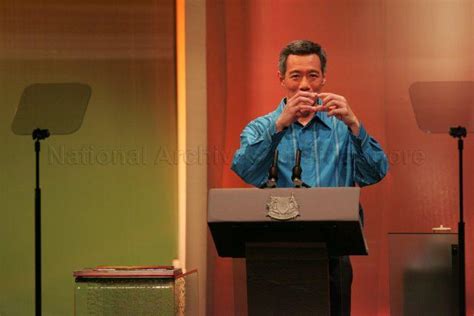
(301, 48)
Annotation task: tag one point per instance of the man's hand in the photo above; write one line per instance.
(337, 105)
(301, 104)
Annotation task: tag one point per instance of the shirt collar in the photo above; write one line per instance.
(320, 116)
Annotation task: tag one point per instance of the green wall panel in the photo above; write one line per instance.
(109, 197)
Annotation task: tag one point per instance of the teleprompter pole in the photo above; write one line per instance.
(460, 132)
(38, 134)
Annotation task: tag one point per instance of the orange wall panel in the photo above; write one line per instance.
(376, 49)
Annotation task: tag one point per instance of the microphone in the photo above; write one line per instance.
(272, 173)
(297, 170)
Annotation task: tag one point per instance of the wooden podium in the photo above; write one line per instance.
(286, 236)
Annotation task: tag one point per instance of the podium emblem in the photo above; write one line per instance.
(282, 208)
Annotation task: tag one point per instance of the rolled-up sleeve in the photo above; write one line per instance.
(258, 142)
(370, 162)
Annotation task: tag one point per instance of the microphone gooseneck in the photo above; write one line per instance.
(297, 171)
(272, 173)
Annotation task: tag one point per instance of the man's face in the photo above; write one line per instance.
(303, 73)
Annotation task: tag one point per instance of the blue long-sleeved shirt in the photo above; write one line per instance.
(331, 156)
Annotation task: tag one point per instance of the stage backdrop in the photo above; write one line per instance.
(376, 50)
(109, 190)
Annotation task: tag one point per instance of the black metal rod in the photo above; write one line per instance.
(459, 132)
(461, 235)
(37, 234)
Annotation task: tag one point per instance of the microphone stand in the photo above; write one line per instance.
(272, 173)
(297, 170)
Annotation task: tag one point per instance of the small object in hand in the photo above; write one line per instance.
(318, 101)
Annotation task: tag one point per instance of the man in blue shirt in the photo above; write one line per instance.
(336, 150)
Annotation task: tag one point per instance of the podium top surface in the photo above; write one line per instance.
(237, 217)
